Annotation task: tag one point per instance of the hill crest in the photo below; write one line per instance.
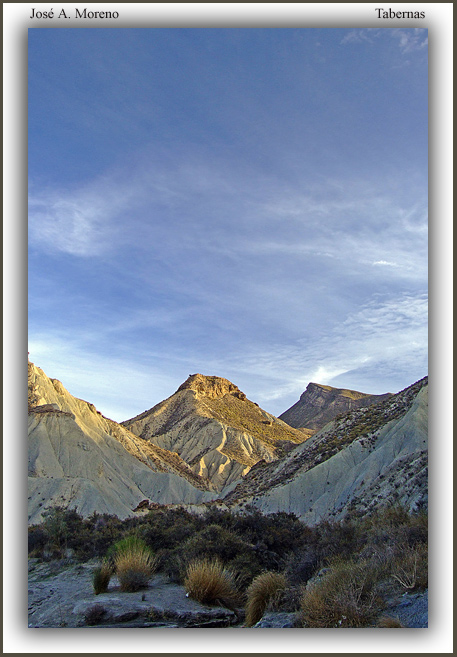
(216, 429)
(319, 404)
(212, 387)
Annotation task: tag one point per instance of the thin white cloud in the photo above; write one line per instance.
(409, 40)
(77, 224)
(358, 36)
(385, 334)
(385, 263)
(86, 221)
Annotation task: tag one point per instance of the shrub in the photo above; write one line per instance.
(410, 569)
(56, 529)
(344, 597)
(207, 581)
(264, 590)
(166, 529)
(215, 542)
(101, 577)
(302, 564)
(246, 565)
(37, 538)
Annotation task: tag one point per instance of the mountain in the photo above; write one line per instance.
(82, 460)
(319, 404)
(367, 458)
(215, 429)
(209, 443)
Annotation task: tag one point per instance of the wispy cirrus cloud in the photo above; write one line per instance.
(409, 40)
(356, 36)
(385, 334)
(79, 223)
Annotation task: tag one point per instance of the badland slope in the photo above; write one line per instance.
(82, 460)
(365, 459)
(215, 429)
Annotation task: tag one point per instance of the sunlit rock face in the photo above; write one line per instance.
(79, 459)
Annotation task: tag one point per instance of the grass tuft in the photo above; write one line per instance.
(411, 570)
(134, 563)
(207, 581)
(264, 590)
(101, 577)
(345, 596)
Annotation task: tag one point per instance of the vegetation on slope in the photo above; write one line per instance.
(218, 399)
(335, 574)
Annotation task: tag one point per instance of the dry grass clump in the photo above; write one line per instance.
(101, 577)
(411, 570)
(135, 568)
(345, 596)
(265, 589)
(207, 581)
(389, 621)
(134, 563)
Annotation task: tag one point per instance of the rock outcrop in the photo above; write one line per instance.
(215, 429)
(80, 459)
(319, 404)
(369, 458)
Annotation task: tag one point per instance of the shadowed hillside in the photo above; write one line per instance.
(319, 404)
(362, 460)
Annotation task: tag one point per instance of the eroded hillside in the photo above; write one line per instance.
(364, 459)
(215, 429)
(80, 459)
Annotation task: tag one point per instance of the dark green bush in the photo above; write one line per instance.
(246, 542)
(215, 542)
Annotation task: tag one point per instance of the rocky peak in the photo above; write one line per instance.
(212, 387)
(320, 403)
(317, 389)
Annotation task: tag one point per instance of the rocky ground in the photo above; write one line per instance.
(60, 595)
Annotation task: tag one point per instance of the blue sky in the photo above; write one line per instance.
(246, 203)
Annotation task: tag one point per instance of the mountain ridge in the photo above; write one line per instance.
(365, 456)
(212, 445)
(319, 404)
(80, 459)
